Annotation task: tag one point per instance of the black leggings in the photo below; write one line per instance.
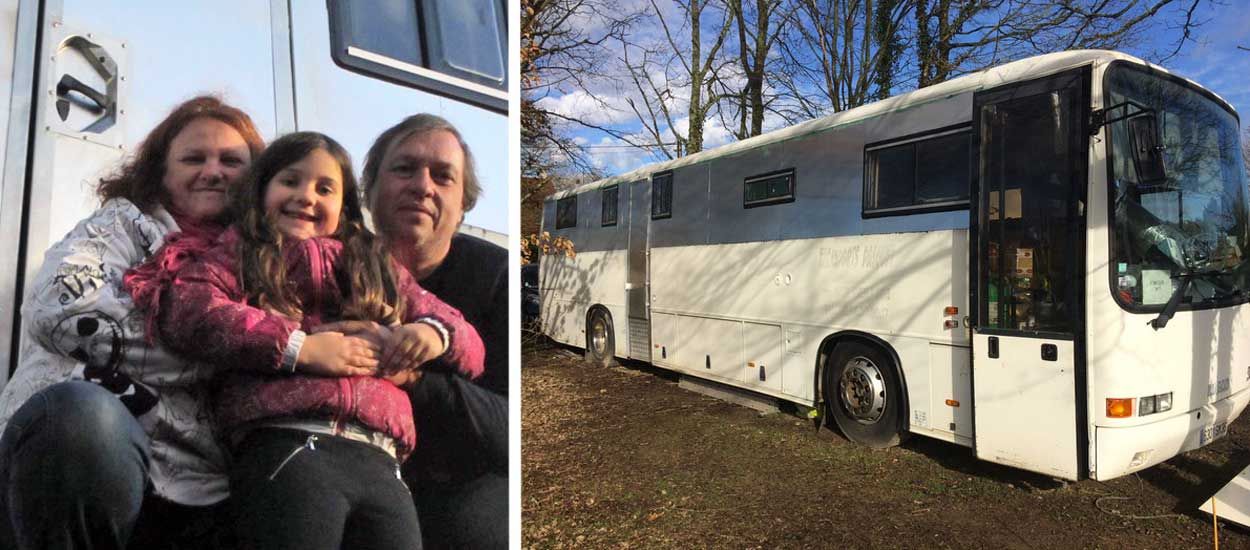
(334, 493)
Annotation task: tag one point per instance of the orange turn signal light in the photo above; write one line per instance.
(952, 310)
(952, 403)
(1119, 407)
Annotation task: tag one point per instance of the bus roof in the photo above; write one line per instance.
(1015, 71)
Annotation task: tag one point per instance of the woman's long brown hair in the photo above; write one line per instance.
(364, 269)
(139, 179)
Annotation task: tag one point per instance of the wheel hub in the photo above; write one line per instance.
(599, 336)
(863, 391)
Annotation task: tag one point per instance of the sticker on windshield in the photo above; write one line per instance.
(1156, 286)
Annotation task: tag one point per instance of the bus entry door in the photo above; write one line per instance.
(1028, 223)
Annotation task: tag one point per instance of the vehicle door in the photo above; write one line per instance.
(1028, 225)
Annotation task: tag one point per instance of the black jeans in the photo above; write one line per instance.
(470, 515)
(74, 469)
(332, 493)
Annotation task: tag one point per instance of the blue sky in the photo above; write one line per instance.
(1211, 59)
(1214, 60)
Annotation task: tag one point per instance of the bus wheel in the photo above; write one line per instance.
(863, 395)
(600, 342)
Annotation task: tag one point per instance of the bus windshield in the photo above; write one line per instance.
(1188, 229)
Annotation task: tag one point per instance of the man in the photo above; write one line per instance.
(419, 180)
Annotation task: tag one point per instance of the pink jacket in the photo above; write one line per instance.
(191, 292)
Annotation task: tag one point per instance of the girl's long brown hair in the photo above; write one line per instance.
(364, 269)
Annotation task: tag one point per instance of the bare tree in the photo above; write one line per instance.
(559, 55)
(957, 36)
(760, 24)
(662, 71)
(842, 53)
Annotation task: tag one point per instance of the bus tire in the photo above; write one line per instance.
(864, 395)
(600, 338)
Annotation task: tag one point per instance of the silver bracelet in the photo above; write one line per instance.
(438, 326)
(291, 353)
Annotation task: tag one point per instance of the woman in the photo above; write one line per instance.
(107, 437)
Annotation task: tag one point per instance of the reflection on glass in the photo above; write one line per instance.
(469, 33)
(1030, 192)
(386, 27)
(1194, 222)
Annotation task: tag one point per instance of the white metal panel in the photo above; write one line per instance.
(8, 52)
(708, 347)
(354, 108)
(950, 368)
(762, 349)
(17, 44)
(1025, 406)
(883, 284)
(665, 339)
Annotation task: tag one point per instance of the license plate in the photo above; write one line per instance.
(1212, 432)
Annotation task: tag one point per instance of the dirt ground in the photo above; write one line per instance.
(623, 458)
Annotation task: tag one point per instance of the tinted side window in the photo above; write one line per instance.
(942, 169)
(922, 174)
(610, 196)
(662, 196)
(454, 48)
(772, 188)
(566, 212)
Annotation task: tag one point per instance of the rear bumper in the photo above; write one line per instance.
(1121, 451)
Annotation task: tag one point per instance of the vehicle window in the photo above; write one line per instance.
(772, 188)
(566, 212)
(454, 48)
(924, 174)
(610, 196)
(662, 196)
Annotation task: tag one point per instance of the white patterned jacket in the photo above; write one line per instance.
(78, 323)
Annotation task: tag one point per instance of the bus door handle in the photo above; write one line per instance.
(71, 90)
(993, 351)
(70, 84)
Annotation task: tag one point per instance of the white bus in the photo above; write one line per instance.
(1043, 261)
(82, 81)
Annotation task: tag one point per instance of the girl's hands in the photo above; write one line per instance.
(409, 346)
(403, 348)
(335, 354)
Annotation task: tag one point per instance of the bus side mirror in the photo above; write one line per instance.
(1145, 140)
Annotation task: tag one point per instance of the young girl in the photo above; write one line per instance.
(318, 422)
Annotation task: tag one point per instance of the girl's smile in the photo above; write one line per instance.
(305, 199)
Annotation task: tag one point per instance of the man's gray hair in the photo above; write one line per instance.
(411, 126)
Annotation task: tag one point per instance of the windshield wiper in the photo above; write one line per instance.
(1186, 280)
(1169, 309)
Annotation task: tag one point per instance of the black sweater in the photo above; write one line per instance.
(462, 426)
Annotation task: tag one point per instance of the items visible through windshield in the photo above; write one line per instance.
(1191, 223)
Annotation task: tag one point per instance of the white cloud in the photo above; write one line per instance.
(593, 109)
